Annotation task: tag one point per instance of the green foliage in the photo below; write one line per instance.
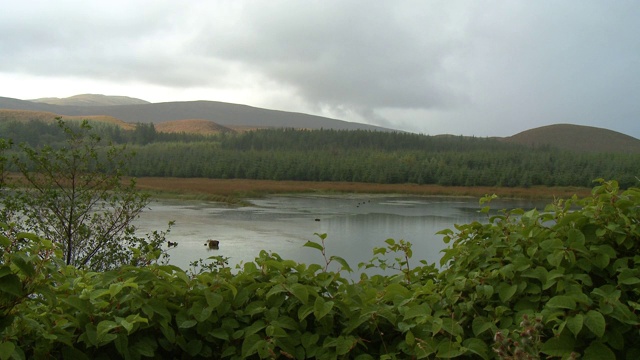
(575, 265)
(563, 282)
(74, 194)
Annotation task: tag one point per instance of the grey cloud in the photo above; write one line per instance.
(461, 67)
(127, 41)
(361, 54)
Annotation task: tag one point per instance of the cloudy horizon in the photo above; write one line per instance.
(434, 67)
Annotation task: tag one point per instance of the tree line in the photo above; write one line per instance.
(353, 156)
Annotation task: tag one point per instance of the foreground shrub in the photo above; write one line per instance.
(563, 282)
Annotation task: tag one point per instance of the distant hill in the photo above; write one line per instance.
(578, 138)
(44, 116)
(92, 100)
(225, 114)
(208, 117)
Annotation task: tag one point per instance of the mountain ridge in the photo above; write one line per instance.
(225, 114)
(91, 100)
(209, 117)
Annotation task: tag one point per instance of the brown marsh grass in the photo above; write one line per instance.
(234, 190)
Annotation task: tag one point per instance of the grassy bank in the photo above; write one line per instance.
(235, 190)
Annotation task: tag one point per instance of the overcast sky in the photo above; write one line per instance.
(484, 68)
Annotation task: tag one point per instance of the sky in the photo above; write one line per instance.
(481, 68)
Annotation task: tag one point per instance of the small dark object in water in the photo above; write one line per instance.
(317, 219)
(172, 243)
(213, 244)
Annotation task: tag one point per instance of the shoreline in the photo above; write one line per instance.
(234, 191)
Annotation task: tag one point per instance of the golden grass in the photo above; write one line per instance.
(191, 126)
(234, 190)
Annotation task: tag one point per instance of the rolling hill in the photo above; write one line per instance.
(208, 117)
(578, 138)
(225, 114)
(92, 100)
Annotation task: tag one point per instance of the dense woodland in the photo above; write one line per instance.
(340, 155)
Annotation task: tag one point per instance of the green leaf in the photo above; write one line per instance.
(559, 345)
(213, 299)
(561, 302)
(595, 322)
(11, 284)
(122, 345)
(344, 344)
(539, 273)
(6, 350)
(480, 325)
(394, 291)
(628, 277)
(314, 245)
(555, 258)
(452, 327)
(254, 328)
(103, 329)
(476, 346)
(114, 289)
(575, 237)
(305, 310)
(22, 262)
(186, 324)
(342, 263)
(574, 323)
(321, 308)
(598, 351)
(506, 292)
(300, 292)
(448, 349)
(5, 241)
(309, 341)
(194, 347)
(144, 346)
(219, 333)
(410, 338)
(250, 345)
(286, 322)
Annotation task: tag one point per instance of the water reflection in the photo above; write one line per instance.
(355, 224)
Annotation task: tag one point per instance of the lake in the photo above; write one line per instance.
(354, 224)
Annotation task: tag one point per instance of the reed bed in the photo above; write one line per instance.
(234, 190)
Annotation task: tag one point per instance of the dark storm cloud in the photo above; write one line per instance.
(359, 53)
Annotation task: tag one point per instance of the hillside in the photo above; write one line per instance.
(92, 100)
(210, 117)
(44, 116)
(225, 114)
(578, 138)
(193, 126)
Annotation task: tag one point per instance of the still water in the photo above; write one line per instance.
(354, 224)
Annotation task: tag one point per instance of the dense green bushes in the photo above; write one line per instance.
(561, 282)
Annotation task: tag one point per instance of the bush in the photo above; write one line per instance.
(563, 282)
